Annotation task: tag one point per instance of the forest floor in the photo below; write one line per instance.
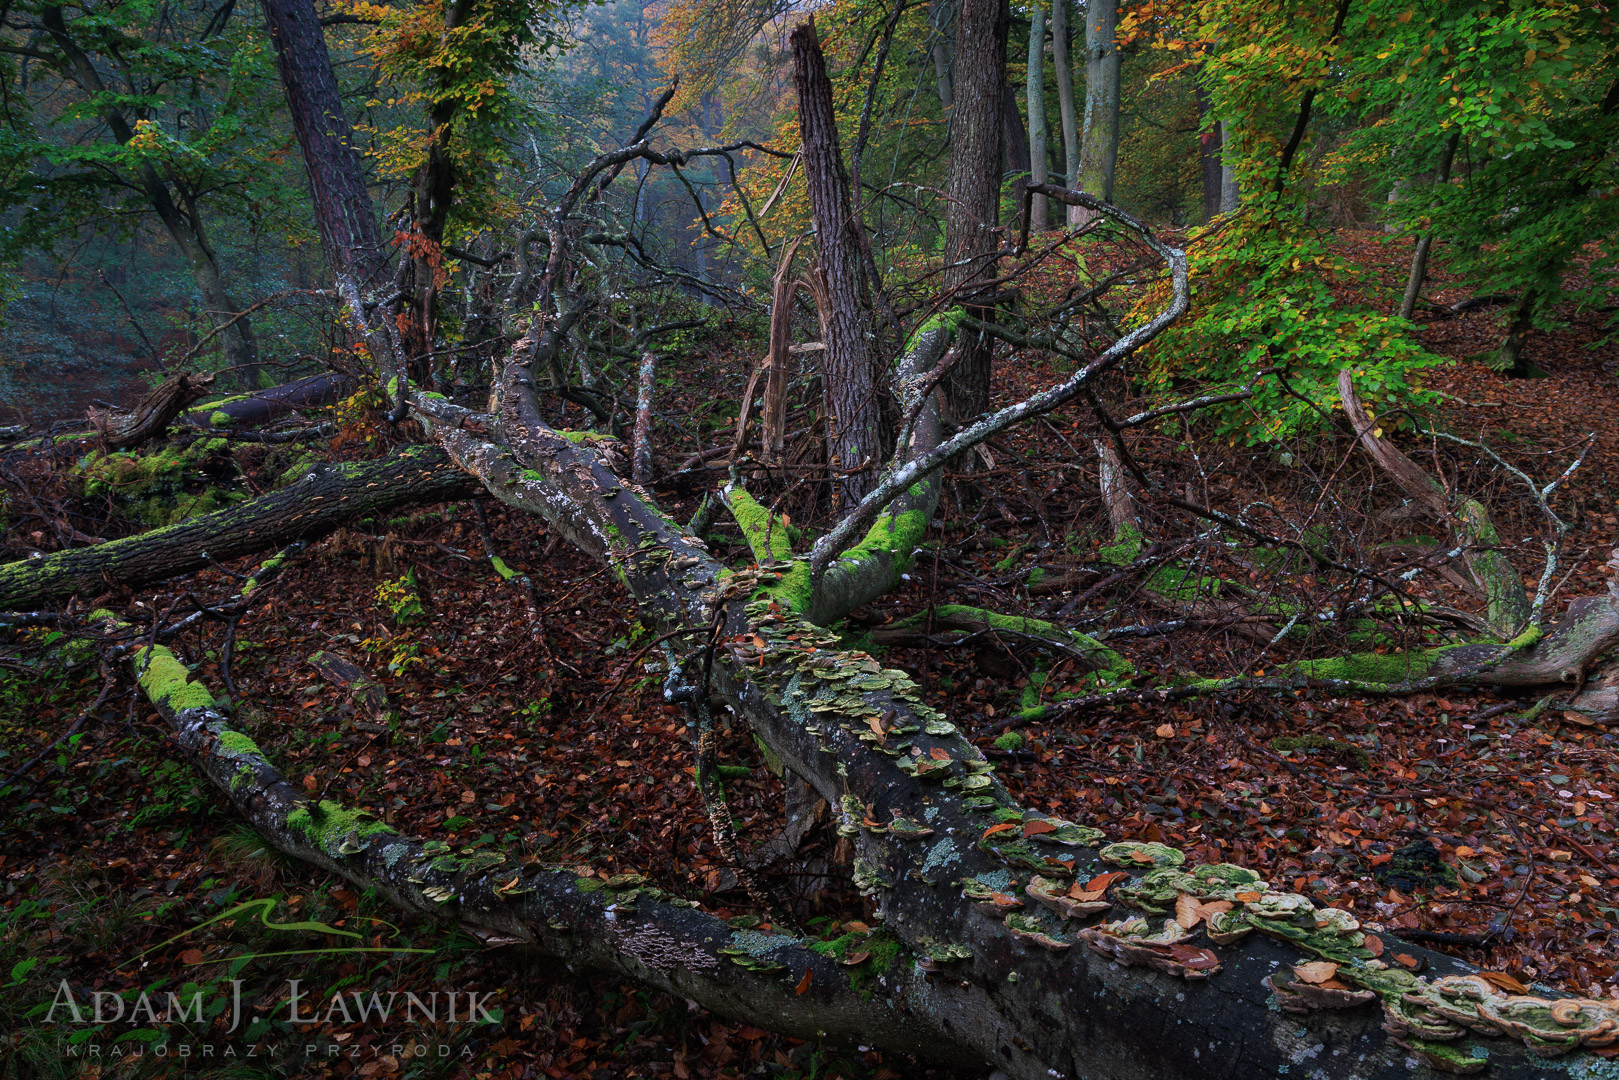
(546, 738)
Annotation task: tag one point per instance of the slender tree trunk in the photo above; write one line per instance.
(1230, 189)
(236, 338)
(641, 453)
(1065, 99)
(1208, 154)
(1036, 92)
(1100, 150)
(974, 182)
(853, 447)
(939, 20)
(1015, 144)
(1419, 259)
(343, 209)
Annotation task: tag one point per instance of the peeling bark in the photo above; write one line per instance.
(848, 377)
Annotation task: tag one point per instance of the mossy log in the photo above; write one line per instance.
(619, 924)
(328, 497)
(933, 829)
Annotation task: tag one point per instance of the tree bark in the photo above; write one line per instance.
(1100, 149)
(1035, 90)
(1065, 99)
(1419, 259)
(260, 407)
(343, 210)
(329, 497)
(641, 450)
(154, 412)
(974, 184)
(853, 447)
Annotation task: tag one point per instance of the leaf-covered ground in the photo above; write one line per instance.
(547, 733)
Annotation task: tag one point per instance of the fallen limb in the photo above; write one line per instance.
(620, 925)
(969, 623)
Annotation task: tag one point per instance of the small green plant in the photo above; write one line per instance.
(400, 599)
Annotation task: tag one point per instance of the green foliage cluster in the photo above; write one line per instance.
(1269, 299)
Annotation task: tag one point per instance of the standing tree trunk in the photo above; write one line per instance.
(1419, 259)
(1230, 189)
(343, 210)
(1035, 86)
(1208, 153)
(235, 334)
(1100, 151)
(974, 184)
(1065, 99)
(848, 379)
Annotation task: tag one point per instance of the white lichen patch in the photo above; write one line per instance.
(757, 944)
(941, 855)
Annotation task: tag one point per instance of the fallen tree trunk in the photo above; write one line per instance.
(939, 859)
(331, 495)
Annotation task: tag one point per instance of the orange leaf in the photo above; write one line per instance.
(851, 960)
(1037, 827)
(803, 984)
(1248, 897)
(1004, 826)
(1315, 972)
(1102, 881)
(1379, 860)
(1194, 958)
(1406, 960)
(1374, 944)
(1501, 980)
(1188, 912)
(1165, 731)
(191, 956)
(939, 753)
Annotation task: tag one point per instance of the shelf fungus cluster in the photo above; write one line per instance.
(1437, 1020)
